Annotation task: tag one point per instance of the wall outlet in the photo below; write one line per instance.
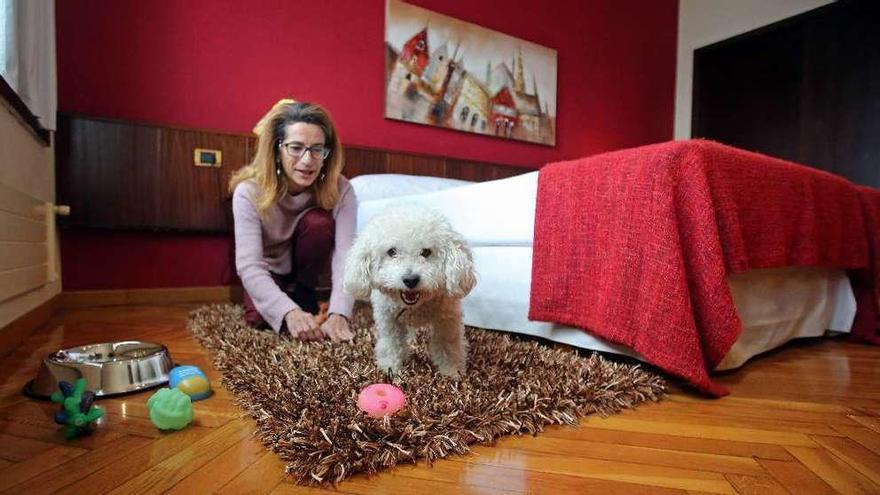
(207, 158)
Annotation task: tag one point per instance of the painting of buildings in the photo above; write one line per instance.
(446, 72)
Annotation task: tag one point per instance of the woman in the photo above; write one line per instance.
(292, 211)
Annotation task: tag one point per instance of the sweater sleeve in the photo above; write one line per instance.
(346, 224)
(270, 301)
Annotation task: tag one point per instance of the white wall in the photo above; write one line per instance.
(29, 261)
(703, 22)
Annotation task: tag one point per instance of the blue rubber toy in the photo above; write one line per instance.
(191, 381)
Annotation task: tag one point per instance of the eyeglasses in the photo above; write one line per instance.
(297, 150)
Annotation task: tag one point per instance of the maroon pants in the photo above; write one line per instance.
(312, 245)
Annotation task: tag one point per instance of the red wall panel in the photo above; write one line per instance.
(220, 64)
(125, 260)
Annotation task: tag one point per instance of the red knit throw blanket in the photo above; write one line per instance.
(635, 245)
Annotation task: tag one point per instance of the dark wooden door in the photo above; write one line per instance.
(806, 89)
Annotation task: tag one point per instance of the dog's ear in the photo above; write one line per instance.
(358, 270)
(458, 267)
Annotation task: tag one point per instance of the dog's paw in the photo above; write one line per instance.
(454, 372)
(389, 366)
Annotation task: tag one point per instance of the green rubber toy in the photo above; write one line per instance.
(77, 413)
(170, 409)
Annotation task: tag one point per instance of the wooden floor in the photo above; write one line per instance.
(804, 420)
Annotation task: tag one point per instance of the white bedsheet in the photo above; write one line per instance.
(497, 219)
(494, 213)
(774, 306)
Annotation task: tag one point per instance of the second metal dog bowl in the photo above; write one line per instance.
(109, 368)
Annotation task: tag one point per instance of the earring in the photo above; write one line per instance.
(323, 174)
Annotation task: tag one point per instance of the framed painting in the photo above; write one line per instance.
(449, 73)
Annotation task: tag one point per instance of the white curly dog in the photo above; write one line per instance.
(415, 269)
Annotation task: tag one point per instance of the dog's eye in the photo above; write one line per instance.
(426, 252)
(392, 252)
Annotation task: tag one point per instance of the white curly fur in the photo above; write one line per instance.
(413, 244)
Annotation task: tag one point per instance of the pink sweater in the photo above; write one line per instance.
(263, 245)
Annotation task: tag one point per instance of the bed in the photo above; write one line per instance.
(625, 253)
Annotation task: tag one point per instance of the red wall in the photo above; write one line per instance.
(220, 64)
(123, 260)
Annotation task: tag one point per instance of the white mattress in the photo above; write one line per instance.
(497, 219)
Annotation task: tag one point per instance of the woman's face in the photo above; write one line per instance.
(302, 153)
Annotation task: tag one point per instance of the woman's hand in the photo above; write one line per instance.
(302, 325)
(337, 328)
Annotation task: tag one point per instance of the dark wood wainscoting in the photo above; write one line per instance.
(122, 175)
(126, 175)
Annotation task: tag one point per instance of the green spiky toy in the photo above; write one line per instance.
(77, 413)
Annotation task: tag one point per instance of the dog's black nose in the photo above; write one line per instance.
(411, 281)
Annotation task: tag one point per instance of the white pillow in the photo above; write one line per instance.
(381, 186)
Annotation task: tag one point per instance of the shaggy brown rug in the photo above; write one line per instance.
(303, 395)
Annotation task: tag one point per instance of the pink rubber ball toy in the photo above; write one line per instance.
(381, 399)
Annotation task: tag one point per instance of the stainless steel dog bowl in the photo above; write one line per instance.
(109, 369)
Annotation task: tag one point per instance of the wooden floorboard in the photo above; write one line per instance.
(804, 419)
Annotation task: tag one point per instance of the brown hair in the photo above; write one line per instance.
(270, 132)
